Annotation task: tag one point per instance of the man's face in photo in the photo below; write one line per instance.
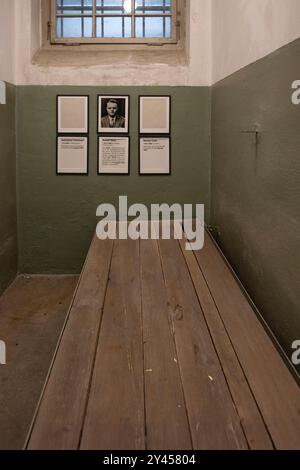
(112, 109)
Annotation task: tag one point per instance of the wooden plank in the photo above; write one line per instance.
(115, 412)
(166, 416)
(213, 419)
(60, 415)
(274, 388)
(251, 419)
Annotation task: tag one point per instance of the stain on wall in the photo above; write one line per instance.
(255, 190)
(57, 214)
(8, 205)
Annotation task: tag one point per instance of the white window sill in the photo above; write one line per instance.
(74, 56)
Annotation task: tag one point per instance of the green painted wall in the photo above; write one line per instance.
(57, 213)
(256, 194)
(8, 217)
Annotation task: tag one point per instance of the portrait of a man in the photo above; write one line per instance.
(113, 114)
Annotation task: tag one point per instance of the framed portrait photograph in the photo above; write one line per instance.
(113, 114)
(72, 155)
(113, 155)
(154, 155)
(154, 114)
(72, 114)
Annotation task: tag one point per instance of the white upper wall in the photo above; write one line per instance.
(131, 73)
(7, 41)
(244, 31)
(223, 36)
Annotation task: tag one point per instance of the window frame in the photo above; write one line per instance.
(114, 41)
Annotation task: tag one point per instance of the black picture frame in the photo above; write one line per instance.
(113, 131)
(114, 136)
(155, 132)
(159, 136)
(70, 136)
(79, 133)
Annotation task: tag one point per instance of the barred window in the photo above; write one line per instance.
(113, 21)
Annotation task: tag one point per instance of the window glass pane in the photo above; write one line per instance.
(127, 6)
(99, 28)
(128, 22)
(139, 27)
(153, 6)
(150, 27)
(75, 27)
(113, 7)
(116, 27)
(87, 27)
(58, 28)
(168, 28)
(71, 28)
(73, 7)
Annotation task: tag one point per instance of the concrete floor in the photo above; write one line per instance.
(32, 313)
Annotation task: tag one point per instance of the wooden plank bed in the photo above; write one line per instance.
(162, 350)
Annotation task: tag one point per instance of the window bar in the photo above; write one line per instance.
(82, 19)
(164, 19)
(102, 19)
(123, 20)
(94, 28)
(62, 19)
(144, 11)
(133, 29)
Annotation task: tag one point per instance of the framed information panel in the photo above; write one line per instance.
(72, 114)
(154, 156)
(113, 155)
(154, 114)
(72, 155)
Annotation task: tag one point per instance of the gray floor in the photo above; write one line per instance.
(32, 313)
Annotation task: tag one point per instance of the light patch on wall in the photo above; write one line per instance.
(2, 92)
